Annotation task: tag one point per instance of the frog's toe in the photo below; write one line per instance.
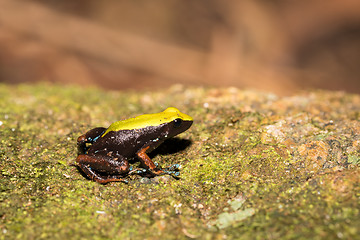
(121, 180)
(174, 174)
(137, 171)
(173, 170)
(174, 167)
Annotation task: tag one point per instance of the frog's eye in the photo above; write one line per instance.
(177, 122)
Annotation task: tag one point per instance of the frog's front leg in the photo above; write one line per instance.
(93, 165)
(89, 137)
(145, 159)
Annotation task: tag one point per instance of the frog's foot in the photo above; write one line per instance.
(138, 171)
(173, 170)
(145, 172)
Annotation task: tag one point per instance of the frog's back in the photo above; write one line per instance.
(146, 120)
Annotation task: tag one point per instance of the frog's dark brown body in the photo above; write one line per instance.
(107, 159)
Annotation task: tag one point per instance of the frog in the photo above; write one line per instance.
(105, 153)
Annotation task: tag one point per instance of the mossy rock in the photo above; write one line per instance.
(253, 166)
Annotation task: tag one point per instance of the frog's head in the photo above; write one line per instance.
(176, 121)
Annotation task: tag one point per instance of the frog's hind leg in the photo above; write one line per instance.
(93, 165)
(89, 137)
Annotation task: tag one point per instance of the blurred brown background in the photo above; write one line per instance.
(275, 45)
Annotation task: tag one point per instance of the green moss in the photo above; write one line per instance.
(257, 166)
